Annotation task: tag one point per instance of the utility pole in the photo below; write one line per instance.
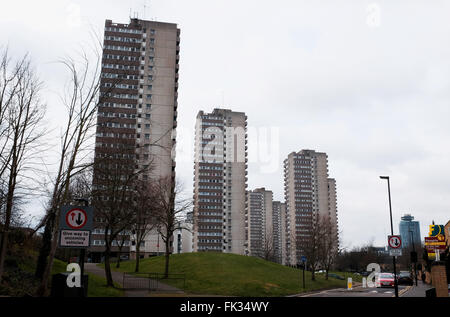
(392, 233)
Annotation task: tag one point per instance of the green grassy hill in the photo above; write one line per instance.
(233, 275)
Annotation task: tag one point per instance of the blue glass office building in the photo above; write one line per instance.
(410, 232)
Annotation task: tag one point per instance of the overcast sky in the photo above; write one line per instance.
(367, 82)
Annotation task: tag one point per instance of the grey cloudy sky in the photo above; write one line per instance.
(367, 82)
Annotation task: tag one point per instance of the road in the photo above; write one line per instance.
(359, 292)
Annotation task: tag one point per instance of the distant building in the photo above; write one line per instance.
(410, 232)
(279, 231)
(220, 182)
(309, 194)
(182, 238)
(260, 223)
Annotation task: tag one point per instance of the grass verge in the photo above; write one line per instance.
(234, 275)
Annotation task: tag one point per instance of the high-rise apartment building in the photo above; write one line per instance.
(220, 182)
(410, 232)
(137, 115)
(279, 232)
(310, 195)
(260, 223)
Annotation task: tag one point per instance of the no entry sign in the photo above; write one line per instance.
(75, 226)
(395, 242)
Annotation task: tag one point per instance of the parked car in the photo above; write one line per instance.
(335, 276)
(384, 280)
(405, 278)
(365, 273)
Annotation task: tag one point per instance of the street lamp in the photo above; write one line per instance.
(415, 254)
(392, 232)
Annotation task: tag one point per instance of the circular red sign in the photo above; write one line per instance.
(76, 218)
(395, 242)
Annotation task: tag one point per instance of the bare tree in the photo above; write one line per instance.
(114, 200)
(146, 209)
(80, 99)
(170, 206)
(120, 244)
(328, 249)
(311, 246)
(21, 114)
(268, 246)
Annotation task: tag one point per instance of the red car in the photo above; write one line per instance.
(385, 280)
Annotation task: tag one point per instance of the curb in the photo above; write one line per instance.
(403, 291)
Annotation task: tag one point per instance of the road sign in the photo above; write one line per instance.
(395, 242)
(74, 239)
(303, 259)
(395, 252)
(75, 226)
(76, 218)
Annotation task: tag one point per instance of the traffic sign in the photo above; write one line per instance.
(395, 242)
(76, 218)
(395, 252)
(303, 259)
(74, 239)
(75, 227)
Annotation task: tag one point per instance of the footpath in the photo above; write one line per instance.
(163, 289)
(417, 291)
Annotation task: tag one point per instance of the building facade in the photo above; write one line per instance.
(260, 223)
(137, 114)
(310, 195)
(410, 232)
(279, 232)
(220, 182)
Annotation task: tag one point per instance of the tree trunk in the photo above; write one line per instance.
(118, 260)
(326, 274)
(3, 244)
(8, 213)
(138, 255)
(109, 279)
(167, 256)
(42, 290)
(45, 247)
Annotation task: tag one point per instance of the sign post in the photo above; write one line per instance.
(395, 249)
(75, 227)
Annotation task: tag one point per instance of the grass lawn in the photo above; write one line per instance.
(233, 275)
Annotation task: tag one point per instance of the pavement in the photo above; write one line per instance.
(416, 291)
(118, 277)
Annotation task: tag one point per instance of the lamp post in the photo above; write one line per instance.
(392, 233)
(415, 255)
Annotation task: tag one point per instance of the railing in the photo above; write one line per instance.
(153, 281)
